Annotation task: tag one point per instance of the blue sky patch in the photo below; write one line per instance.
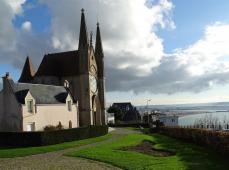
(38, 14)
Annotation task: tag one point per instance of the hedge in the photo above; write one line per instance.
(218, 141)
(145, 125)
(40, 138)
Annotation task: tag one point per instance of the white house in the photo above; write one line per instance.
(31, 107)
(110, 118)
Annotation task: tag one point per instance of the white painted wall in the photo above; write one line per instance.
(51, 115)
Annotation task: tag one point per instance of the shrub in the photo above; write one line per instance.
(59, 126)
(218, 141)
(25, 139)
(49, 128)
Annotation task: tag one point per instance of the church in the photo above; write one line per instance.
(80, 72)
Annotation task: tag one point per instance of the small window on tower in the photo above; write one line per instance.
(69, 105)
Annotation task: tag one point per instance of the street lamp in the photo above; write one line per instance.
(147, 103)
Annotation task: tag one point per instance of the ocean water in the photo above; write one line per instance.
(192, 112)
(191, 118)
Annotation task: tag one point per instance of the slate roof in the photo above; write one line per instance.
(59, 64)
(123, 105)
(43, 94)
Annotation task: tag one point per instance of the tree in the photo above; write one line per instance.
(117, 113)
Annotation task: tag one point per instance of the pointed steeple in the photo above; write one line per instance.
(98, 44)
(83, 38)
(28, 71)
(99, 53)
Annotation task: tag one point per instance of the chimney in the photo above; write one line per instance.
(5, 79)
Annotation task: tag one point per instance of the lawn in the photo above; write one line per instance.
(20, 152)
(187, 156)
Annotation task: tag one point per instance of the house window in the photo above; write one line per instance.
(30, 127)
(30, 106)
(69, 105)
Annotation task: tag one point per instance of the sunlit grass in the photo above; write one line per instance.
(187, 156)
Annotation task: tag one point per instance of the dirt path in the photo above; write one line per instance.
(57, 160)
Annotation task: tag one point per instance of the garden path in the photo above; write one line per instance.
(57, 161)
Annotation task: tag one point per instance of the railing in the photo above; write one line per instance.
(207, 126)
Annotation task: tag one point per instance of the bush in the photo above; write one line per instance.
(25, 139)
(218, 141)
(51, 127)
(136, 125)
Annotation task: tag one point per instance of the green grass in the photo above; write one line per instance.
(188, 156)
(20, 152)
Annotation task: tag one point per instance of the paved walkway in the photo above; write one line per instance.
(57, 161)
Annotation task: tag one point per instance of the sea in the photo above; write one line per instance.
(190, 113)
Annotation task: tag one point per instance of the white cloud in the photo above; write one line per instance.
(15, 5)
(134, 53)
(26, 26)
(8, 10)
(15, 43)
(198, 67)
(205, 56)
(128, 29)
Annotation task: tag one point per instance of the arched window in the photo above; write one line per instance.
(66, 83)
(70, 124)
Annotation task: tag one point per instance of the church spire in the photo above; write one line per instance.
(28, 71)
(83, 38)
(99, 53)
(98, 44)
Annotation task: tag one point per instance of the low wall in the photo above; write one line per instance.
(24, 139)
(218, 141)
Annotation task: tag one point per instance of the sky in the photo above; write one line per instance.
(168, 51)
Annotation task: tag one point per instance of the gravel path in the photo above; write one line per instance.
(57, 160)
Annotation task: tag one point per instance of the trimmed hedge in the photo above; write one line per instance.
(218, 141)
(145, 125)
(40, 138)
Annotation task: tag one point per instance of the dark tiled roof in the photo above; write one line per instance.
(43, 94)
(59, 64)
(122, 104)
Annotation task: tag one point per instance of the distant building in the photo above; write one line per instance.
(123, 106)
(169, 120)
(150, 117)
(131, 114)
